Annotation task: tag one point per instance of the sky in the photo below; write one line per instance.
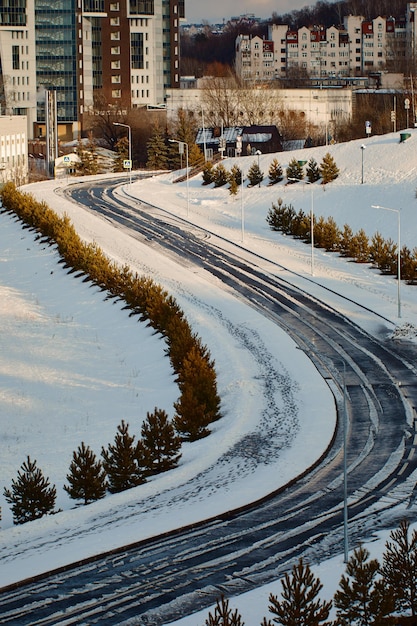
(69, 355)
(218, 10)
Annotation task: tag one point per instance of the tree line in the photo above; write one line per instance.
(369, 593)
(381, 253)
(199, 403)
(124, 464)
(220, 176)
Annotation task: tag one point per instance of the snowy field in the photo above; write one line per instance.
(72, 365)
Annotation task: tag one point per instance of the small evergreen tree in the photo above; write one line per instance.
(86, 477)
(208, 173)
(300, 605)
(255, 175)
(220, 175)
(328, 169)
(224, 616)
(312, 171)
(31, 495)
(361, 599)
(120, 461)
(275, 173)
(345, 241)
(159, 448)
(359, 247)
(122, 148)
(294, 171)
(88, 163)
(399, 568)
(235, 174)
(157, 150)
(233, 187)
(199, 404)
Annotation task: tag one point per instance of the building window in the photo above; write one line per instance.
(116, 93)
(136, 51)
(16, 57)
(115, 50)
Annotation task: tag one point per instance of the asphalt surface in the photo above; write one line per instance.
(374, 384)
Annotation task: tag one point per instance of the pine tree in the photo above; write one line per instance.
(208, 173)
(199, 404)
(184, 129)
(361, 599)
(300, 605)
(122, 148)
(345, 241)
(294, 171)
(328, 169)
(275, 174)
(255, 175)
(158, 449)
(88, 163)
(359, 247)
(235, 175)
(86, 477)
(234, 187)
(399, 568)
(31, 495)
(223, 615)
(312, 171)
(157, 150)
(120, 461)
(220, 175)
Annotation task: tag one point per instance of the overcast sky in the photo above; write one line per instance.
(215, 10)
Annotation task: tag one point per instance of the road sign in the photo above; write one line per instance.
(393, 116)
(127, 164)
(67, 159)
(406, 103)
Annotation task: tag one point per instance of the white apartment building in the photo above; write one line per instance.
(354, 49)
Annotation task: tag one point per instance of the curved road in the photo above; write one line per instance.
(162, 579)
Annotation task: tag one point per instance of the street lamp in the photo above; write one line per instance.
(363, 148)
(345, 508)
(345, 505)
(398, 212)
(242, 214)
(258, 154)
(130, 147)
(181, 145)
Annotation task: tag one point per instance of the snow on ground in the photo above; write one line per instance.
(73, 365)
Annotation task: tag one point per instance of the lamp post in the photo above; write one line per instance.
(242, 214)
(258, 154)
(130, 147)
(181, 145)
(398, 212)
(345, 508)
(363, 148)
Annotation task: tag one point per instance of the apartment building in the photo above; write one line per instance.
(356, 48)
(121, 54)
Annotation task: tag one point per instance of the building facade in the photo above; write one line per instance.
(354, 49)
(121, 55)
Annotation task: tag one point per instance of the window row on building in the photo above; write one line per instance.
(353, 49)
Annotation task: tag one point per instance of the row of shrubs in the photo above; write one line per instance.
(220, 176)
(383, 254)
(124, 464)
(199, 403)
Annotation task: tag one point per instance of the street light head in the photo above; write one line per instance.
(363, 147)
